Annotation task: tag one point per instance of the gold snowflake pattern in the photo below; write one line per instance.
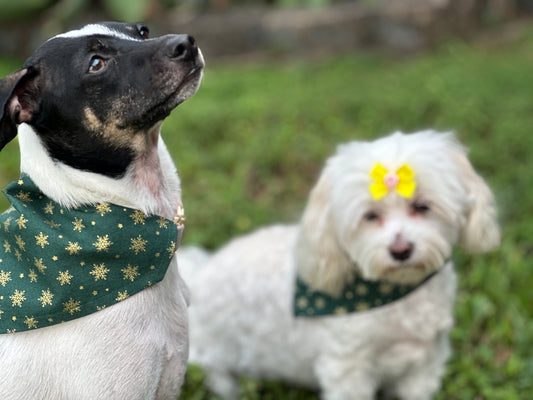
(20, 243)
(21, 222)
(138, 244)
(17, 298)
(24, 196)
(5, 277)
(39, 264)
(171, 249)
(41, 240)
(73, 248)
(130, 272)
(138, 217)
(163, 222)
(18, 255)
(71, 306)
(102, 243)
(31, 322)
(7, 247)
(7, 224)
(99, 272)
(52, 224)
(49, 208)
(46, 297)
(64, 277)
(122, 295)
(78, 224)
(103, 208)
(33, 276)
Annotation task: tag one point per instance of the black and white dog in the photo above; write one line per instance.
(88, 107)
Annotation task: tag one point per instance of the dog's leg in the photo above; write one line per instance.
(424, 379)
(340, 381)
(223, 383)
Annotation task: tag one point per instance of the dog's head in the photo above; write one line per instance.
(392, 210)
(93, 94)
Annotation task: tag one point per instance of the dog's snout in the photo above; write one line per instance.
(182, 47)
(401, 250)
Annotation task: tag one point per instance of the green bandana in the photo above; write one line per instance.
(58, 264)
(360, 295)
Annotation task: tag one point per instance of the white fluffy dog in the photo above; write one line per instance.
(385, 213)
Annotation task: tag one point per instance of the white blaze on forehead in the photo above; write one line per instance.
(95, 29)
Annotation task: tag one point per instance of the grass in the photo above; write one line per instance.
(251, 143)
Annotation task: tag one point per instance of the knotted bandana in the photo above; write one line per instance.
(360, 295)
(58, 264)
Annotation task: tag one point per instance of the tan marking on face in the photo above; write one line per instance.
(92, 122)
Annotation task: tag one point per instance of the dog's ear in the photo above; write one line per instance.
(18, 94)
(320, 260)
(481, 231)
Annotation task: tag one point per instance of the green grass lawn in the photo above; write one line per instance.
(251, 143)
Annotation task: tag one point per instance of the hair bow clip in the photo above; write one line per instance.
(384, 181)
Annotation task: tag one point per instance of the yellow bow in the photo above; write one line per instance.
(384, 181)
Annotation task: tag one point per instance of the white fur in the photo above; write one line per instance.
(241, 299)
(136, 349)
(95, 29)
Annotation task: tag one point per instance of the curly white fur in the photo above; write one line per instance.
(241, 315)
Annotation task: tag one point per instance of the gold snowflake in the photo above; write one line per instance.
(21, 222)
(73, 248)
(78, 224)
(17, 298)
(31, 322)
(49, 208)
(130, 272)
(41, 240)
(39, 264)
(20, 243)
(163, 222)
(1, 312)
(99, 272)
(103, 208)
(7, 223)
(138, 217)
(171, 249)
(102, 243)
(5, 277)
(52, 224)
(33, 276)
(46, 297)
(122, 295)
(138, 244)
(7, 247)
(71, 306)
(18, 255)
(64, 277)
(24, 196)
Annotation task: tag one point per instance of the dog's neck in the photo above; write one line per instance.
(150, 184)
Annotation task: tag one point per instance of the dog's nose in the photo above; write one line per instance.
(401, 250)
(182, 47)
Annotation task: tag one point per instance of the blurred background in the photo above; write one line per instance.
(288, 80)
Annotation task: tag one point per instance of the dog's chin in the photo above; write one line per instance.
(405, 273)
(184, 90)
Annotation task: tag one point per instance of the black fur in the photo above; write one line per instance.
(87, 119)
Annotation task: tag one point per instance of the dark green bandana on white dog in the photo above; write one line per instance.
(360, 295)
(58, 264)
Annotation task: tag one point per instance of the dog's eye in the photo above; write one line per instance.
(97, 64)
(420, 208)
(371, 216)
(144, 31)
